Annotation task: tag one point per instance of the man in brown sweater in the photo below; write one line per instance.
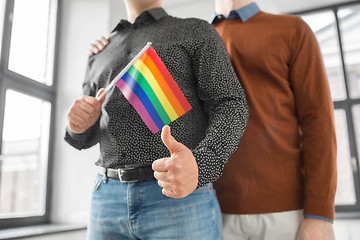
(281, 181)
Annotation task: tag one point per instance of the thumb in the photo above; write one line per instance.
(169, 141)
(101, 90)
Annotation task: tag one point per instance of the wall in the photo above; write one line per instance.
(82, 21)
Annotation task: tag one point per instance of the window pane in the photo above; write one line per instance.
(323, 25)
(2, 15)
(356, 117)
(25, 144)
(345, 193)
(31, 40)
(349, 20)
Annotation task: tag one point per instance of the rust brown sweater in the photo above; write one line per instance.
(286, 159)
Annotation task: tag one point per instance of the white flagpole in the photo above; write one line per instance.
(117, 78)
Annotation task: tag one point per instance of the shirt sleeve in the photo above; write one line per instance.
(90, 137)
(316, 119)
(225, 103)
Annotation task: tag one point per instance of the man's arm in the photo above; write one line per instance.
(83, 116)
(315, 113)
(224, 102)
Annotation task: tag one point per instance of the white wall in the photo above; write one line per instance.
(83, 21)
(288, 6)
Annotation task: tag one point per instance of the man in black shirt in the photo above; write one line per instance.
(127, 202)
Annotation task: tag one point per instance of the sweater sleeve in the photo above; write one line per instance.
(316, 119)
(225, 103)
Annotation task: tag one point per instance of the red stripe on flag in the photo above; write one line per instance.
(169, 79)
(163, 84)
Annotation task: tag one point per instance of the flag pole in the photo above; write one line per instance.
(117, 78)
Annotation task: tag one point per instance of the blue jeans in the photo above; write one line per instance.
(140, 211)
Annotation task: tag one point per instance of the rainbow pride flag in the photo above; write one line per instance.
(152, 91)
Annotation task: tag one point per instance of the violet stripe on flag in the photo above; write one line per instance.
(137, 104)
(143, 97)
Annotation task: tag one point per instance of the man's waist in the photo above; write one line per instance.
(129, 173)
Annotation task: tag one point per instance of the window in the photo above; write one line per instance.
(349, 19)
(337, 30)
(26, 109)
(30, 38)
(2, 15)
(25, 145)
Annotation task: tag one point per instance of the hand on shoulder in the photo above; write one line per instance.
(99, 44)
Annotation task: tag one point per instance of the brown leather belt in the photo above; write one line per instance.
(129, 173)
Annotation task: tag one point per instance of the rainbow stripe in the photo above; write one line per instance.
(152, 91)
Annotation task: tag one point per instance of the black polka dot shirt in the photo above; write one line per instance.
(196, 58)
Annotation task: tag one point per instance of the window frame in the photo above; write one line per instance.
(345, 211)
(24, 85)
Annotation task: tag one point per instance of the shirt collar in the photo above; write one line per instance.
(244, 13)
(153, 14)
(157, 13)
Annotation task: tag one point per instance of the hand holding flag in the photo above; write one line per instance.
(85, 112)
(178, 174)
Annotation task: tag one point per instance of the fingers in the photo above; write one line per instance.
(104, 41)
(77, 115)
(169, 193)
(165, 185)
(101, 90)
(86, 107)
(94, 49)
(167, 189)
(84, 113)
(162, 176)
(169, 141)
(77, 121)
(111, 34)
(161, 165)
(98, 45)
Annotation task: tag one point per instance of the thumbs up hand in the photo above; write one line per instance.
(84, 113)
(178, 174)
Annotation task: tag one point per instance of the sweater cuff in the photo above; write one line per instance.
(318, 217)
(324, 207)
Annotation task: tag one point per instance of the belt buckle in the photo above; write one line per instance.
(120, 173)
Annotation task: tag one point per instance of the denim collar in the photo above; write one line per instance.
(244, 13)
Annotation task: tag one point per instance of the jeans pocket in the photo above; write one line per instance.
(205, 188)
(97, 184)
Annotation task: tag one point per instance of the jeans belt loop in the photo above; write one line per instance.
(105, 178)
